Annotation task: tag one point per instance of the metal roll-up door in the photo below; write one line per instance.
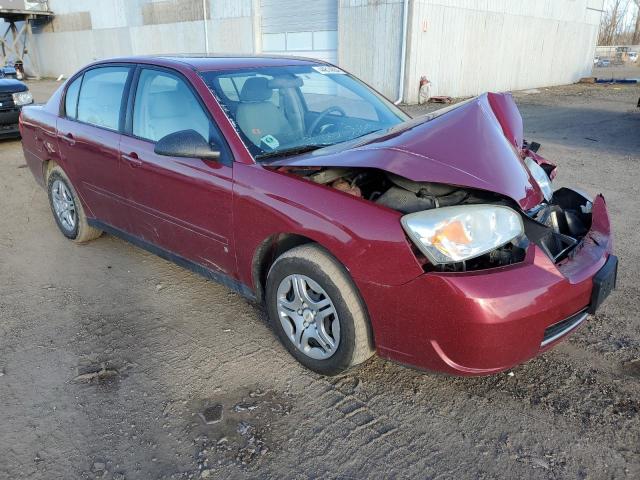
(300, 27)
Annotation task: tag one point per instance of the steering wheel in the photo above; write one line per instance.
(323, 114)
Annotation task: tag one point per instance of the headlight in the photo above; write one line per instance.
(541, 178)
(454, 234)
(22, 98)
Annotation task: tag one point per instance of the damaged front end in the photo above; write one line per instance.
(557, 225)
(474, 194)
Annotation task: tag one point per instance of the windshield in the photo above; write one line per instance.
(293, 109)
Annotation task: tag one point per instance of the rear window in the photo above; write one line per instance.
(100, 98)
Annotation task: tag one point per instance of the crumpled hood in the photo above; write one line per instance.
(475, 144)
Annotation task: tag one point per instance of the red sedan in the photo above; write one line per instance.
(437, 242)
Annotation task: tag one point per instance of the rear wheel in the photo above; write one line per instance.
(67, 209)
(317, 312)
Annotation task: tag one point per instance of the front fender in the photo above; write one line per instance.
(366, 238)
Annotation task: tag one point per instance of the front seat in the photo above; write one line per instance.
(174, 110)
(257, 116)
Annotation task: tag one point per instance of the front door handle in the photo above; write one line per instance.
(132, 159)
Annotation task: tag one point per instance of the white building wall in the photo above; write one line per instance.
(369, 41)
(286, 32)
(117, 29)
(465, 47)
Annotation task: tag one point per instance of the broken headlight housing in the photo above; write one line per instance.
(460, 233)
(22, 98)
(541, 178)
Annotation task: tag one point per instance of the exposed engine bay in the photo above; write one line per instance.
(557, 227)
(393, 191)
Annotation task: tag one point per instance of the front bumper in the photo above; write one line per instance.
(482, 322)
(9, 122)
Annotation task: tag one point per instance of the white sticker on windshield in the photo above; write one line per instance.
(328, 70)
(270, 141)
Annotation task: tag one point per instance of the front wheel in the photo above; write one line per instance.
(317, 312)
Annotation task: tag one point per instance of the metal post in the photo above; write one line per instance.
(2, 44)
(18, 44)
(403, 53)
(206, 26)
(28, 40)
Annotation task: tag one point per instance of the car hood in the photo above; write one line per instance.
(8, 85)
(475, 144)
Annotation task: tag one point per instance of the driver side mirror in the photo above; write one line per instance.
(186, 143)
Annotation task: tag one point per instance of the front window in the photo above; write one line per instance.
(292, 109)
(164, 104)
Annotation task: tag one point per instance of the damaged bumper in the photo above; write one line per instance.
(482, 322)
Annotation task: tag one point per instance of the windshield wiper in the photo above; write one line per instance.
(292, 151)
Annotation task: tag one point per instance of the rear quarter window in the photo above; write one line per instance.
(71, 98)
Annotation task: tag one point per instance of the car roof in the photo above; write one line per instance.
(205, 63)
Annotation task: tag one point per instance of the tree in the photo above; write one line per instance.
(636, 32)
(612, 25)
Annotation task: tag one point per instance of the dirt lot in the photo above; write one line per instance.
(108, 355)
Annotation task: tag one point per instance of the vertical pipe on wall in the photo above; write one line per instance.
(206, 26)
(403, 52)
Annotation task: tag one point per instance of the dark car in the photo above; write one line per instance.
(13, 96)
(8, 71)
(438, 242)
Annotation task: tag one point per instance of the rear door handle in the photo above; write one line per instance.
(132, 159)
(68, 138)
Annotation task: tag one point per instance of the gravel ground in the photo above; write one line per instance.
(627, 70)
(112, 361)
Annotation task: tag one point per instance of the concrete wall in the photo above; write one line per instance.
(87, 30)
(466, 47)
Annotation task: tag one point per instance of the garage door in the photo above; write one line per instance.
(300, 27)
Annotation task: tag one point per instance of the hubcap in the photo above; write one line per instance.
(308, 316)
(64, 205)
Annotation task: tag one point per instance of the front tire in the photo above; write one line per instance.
(67, 209)
(317, 312)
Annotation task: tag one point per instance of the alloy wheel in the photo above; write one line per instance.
(64, 205)
(308, 316)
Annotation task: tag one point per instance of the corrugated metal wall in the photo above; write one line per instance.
(466, 47)
(369, 41)
(300, 27)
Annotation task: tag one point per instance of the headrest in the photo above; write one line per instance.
(290, 81)
(168, 104)
(256, 89)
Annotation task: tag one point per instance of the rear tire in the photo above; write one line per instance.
(67, 209)
(316, 311)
